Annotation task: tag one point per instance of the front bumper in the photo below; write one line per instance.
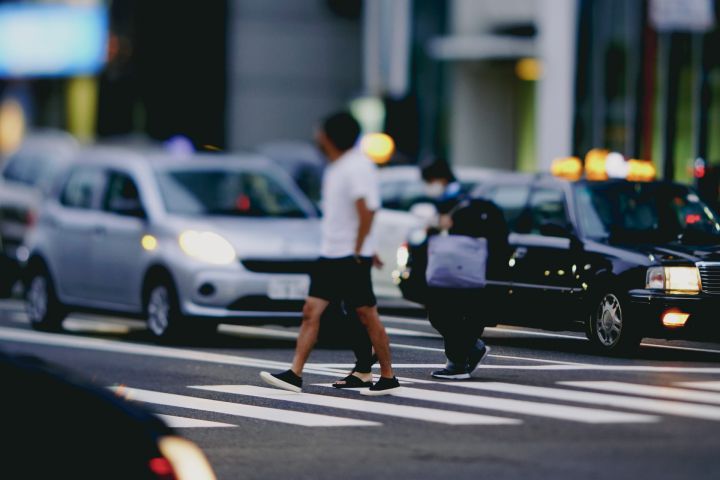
(237, 293)
(703, 322)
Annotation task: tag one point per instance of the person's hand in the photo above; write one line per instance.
(445, 222)
(377, 262)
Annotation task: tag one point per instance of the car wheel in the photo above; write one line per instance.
(44, 310)
(608, 326)
(165, 320)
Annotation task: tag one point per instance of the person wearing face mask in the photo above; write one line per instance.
(443, 189)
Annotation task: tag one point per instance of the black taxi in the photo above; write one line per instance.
(620, 259)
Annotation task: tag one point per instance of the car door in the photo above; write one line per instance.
(117, 248)
(544, 258)
(72, 223)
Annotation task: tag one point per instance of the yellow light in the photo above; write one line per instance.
(149, 242)
(528, 69)
(675, 319)
(379, 147)
(187, 460)
(641, 170)
(12, 126)
(595, 168)
(569, 168)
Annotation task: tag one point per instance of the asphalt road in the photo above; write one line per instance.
(543, 406)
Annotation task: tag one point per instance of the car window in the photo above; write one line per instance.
(227, 192)
(511, 199)
(28, 169)
(122, 195)
(82, 188)
(546, 205)
(402, 195)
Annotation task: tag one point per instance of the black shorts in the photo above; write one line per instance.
(343, 280)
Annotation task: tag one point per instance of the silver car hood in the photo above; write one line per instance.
(263, 237)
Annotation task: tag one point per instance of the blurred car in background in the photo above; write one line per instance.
(620, 259)
(406, 208)
(57, 426)
(25, 177)
(184, 243)
(302, 161)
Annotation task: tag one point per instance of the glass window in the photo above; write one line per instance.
(122, 196)
(33, 170)
(226, 192)
(82, 188)
(546, 206)
(511, 199)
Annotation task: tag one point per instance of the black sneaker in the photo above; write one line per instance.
(384, 386)
(286, 380)
(478, 353)
(451, 372)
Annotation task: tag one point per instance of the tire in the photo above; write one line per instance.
(43, 308)
(607, 325)
(164, 318)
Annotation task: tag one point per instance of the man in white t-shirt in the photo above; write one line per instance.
(350, 198)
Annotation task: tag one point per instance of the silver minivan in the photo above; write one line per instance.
(184, 243)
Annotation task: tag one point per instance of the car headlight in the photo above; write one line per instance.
(673, 279)
(207, 247)
(402, 256)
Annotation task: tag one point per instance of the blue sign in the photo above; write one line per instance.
(52, 40)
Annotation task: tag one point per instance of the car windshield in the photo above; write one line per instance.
(226, 192)
(645, 212)
(32, 170)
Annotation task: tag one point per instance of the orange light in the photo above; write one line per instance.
(528, 69)
(595, 164)
(641, 170)
(379, 147)
(569, 168)
(675, 319)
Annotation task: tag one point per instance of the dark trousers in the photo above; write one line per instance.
(456, 315)
(353, 334)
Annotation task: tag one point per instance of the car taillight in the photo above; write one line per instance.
(162, 468)
(30, 218)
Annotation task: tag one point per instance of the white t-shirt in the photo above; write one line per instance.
(351, 177)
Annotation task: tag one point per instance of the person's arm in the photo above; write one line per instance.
(365, 216)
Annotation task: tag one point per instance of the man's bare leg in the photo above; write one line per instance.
(312, 311)
(378, 336)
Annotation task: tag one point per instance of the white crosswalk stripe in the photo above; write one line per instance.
(364, 406)
(715, 386)
(664, 407)
(184, 422)
(537, 409)
(240, 410)
(651, 391)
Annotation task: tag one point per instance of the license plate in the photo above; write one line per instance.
(289, 288)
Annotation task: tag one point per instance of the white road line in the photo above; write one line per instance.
(347, 366)
(685, 349)
(247, 411)
(405, 321)
(403, 332)
(364, 406)
(184, 422)
(535, 409)
(259, 331)
(664, 407)
(715, 386)
(651, 391)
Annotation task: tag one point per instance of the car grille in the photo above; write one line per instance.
(279, 266)
(710, 277)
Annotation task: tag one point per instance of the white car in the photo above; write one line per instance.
(406, 207)
(183, 243)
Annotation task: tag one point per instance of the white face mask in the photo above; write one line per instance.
(434, 189)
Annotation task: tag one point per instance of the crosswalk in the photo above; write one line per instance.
(440, 403)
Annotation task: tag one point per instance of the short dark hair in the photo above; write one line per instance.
(342, 130)
(437, 168)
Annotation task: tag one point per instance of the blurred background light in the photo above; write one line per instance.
(12, 125)
(379, 147)
(369, 112)
(569, 168)
(528, 69)
(52, 40)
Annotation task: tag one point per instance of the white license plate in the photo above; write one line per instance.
(289, 288)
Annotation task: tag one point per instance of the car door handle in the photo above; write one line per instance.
(520, 252)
